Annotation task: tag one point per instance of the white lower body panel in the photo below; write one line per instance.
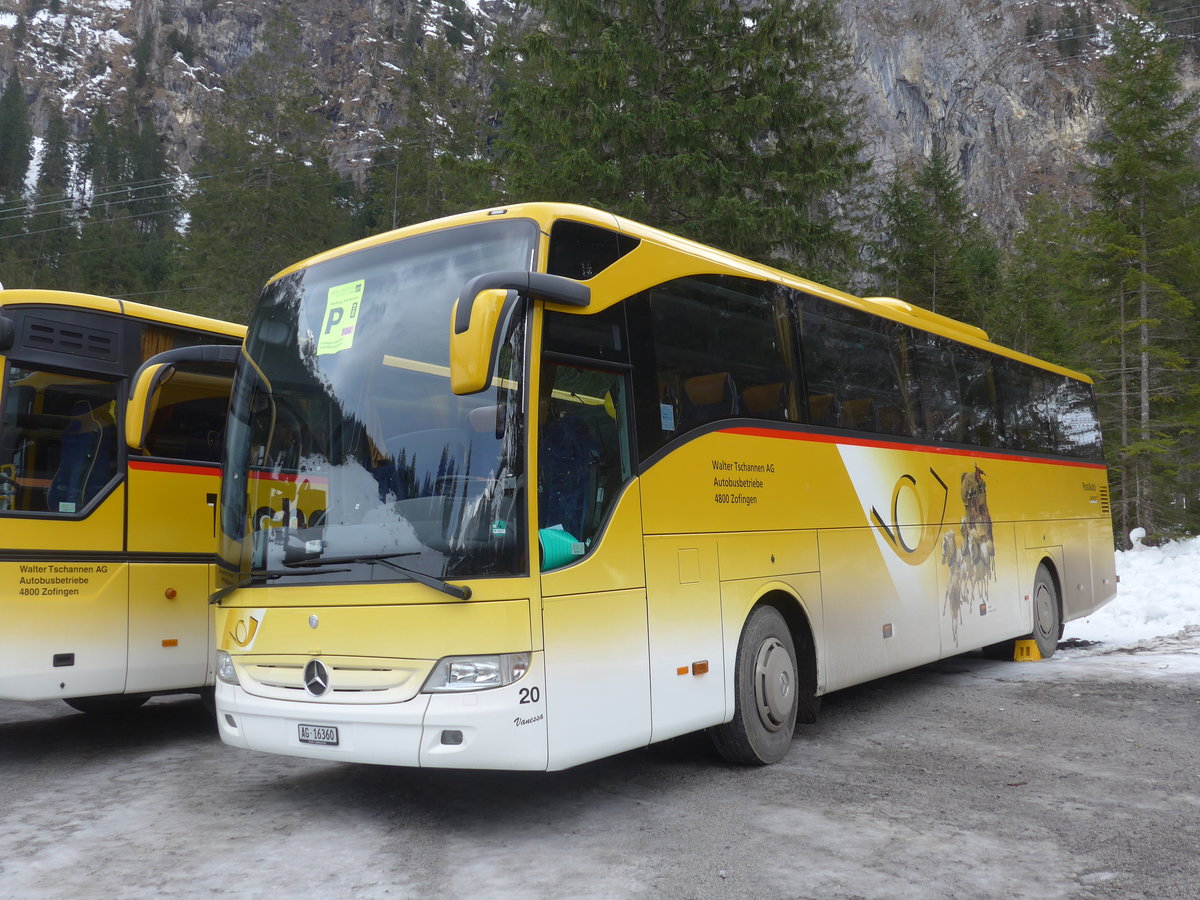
(502, 728)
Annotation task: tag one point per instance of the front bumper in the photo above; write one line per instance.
(501, 728)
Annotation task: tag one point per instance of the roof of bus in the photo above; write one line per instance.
(545, 214)
(120, 307)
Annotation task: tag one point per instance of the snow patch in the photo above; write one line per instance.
(1155, 615)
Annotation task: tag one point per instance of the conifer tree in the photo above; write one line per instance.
(731, 123)
(1147, 188)
(436, 163)
(127, 230)
(933, 251)
(53, 229)
(15, 135)
(15, 153)
(265, 197)
(1048, 287)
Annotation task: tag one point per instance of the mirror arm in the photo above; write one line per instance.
(539, 285)
(200, 353)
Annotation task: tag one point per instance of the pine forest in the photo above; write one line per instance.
(739, 124)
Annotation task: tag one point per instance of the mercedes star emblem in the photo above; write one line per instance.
(316, 678)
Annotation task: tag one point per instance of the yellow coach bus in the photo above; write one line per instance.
(527, 487)
(107, 550)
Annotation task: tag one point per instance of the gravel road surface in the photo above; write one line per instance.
(1073, 777)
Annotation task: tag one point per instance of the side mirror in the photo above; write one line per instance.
(159, 369)
(473, 350)
(139, 410)
(481, 306)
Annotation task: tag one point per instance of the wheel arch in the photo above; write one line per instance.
(795, 613)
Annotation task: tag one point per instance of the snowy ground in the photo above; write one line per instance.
(1070, 778)
(1154, 623)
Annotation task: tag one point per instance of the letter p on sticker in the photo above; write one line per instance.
(342, 306)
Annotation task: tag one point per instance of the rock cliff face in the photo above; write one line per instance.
(984, 77)
(1007, 104)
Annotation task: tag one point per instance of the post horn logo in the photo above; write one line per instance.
(926, 501)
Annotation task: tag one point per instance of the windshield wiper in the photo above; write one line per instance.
(460, 592)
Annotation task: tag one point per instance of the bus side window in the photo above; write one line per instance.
(192, 430)
(583, 454)
(708, 397)
(858, 370)
(980, 405)
(722, 347)
(584, 440)
(60, 449)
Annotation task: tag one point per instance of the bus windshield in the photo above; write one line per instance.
(348, 456)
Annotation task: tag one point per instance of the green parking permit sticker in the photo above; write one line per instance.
(341, 314)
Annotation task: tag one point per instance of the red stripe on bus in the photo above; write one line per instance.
(146, 465)
(813, 437)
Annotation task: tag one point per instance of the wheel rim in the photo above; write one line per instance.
(774, 684)
(1043, 610)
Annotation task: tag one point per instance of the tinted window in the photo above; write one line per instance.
(1073, 405)
(721, 348)
(857, 369)
(582, 251)
(596, 336)
(1045, 412)
(60, 447)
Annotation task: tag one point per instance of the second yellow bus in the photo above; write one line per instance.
(106, 549)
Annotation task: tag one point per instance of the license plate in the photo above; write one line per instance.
(319, 734)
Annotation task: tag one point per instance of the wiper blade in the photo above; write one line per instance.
(460, 592)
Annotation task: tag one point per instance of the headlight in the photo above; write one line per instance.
(225, 670)
(476, 673)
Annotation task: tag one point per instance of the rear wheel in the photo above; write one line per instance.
(1047, 621)
(1047, 616)
(108, 704)
(765, 692)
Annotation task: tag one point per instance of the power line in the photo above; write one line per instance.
(1085, 29)
(21, 210)
(345, 156)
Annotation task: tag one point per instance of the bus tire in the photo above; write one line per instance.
(1047, 614)
(107, 704)
(765, 693)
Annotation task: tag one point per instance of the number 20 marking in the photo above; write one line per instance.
(530, 695)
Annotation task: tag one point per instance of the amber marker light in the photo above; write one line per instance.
(171, 642)
(170, 594)
(700, 667)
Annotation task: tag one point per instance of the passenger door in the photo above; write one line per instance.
(62, 507)
(173, 490)
(593, 578)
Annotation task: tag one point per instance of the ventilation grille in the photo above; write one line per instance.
(60, 337)
(358, 681)
(1105, 509)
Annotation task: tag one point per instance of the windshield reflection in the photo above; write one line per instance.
(346, 442)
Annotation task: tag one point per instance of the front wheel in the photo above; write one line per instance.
(765, 693)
